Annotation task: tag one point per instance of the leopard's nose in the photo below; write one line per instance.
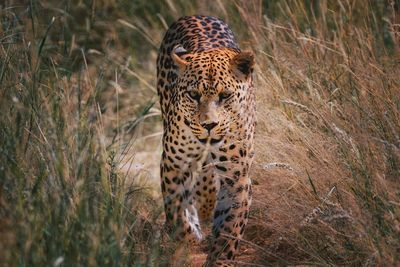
(209, 126)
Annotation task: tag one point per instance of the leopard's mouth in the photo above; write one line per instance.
(209, 137)
(212, 141)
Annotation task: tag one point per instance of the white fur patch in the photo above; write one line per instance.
(194, 222)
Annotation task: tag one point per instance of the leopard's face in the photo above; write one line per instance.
(212, 87)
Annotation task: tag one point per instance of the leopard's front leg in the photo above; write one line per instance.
(181, 214)
(231, 215)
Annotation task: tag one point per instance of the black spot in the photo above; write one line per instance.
(171, 191)
(221, 168)
(229, 218)
(216, 25)
(229, 182)
(242, 231)
(186, 194)
(217, 213)
(187, 122)
(239, 189)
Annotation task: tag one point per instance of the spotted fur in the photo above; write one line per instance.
(206, 92)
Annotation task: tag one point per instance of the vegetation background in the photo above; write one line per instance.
(80, 131)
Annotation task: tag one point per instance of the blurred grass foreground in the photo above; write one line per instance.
(80, 131)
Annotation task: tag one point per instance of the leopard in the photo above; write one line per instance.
(207, 101)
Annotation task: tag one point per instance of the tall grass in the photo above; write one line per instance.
(80, 131)
(330, 73)
(64, 201)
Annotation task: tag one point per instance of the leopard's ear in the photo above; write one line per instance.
(243, 63)
(180, 56)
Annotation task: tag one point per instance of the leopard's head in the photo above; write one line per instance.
(211, 91)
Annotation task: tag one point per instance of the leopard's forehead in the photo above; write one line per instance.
(209, 70)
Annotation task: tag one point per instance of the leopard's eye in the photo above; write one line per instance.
(195, 95)
(224, 95)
